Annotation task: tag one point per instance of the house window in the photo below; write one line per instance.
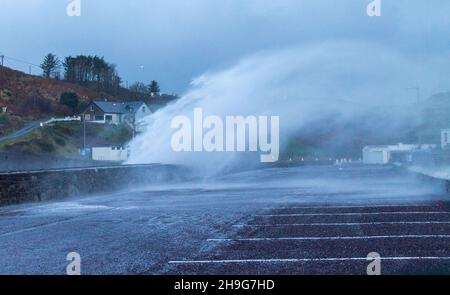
(108, 118)
(87, 117)
(92, 108)
(143, 109)
(99, 118)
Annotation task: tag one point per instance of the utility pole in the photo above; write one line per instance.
(84, 133)
(1, 71)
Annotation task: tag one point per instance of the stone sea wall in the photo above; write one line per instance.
(38, 186)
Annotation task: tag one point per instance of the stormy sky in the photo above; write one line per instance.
(174, 41)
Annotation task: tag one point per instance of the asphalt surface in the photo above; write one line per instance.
(410, 239)
(305, 220)
(19, 133)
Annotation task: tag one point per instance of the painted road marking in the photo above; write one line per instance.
(349, 214)
(300, 260)
(342, 224)
(332, 238)
(343, 207)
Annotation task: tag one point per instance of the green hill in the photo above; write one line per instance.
(65, 139)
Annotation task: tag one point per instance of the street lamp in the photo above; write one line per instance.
(84, 133)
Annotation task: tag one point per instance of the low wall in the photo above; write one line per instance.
(20, 161)
(444, 184)
(37, 186)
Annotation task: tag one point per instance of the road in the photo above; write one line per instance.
(304, 220)
(24, 131)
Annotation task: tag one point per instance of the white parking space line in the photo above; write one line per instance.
(350, 207)
(333, 238)
(342, 224)
(301, 260)
(351, 214)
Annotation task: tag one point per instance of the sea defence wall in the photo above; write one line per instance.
(38, 186)
(443, 183)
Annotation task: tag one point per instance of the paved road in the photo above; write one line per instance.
(24, 131)
(410, 239)
(308, 220)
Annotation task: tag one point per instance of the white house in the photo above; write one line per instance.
(116, 112)
(112, 154)
(445, 138)
(382, 154)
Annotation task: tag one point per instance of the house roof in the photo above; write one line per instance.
(156, 106)
(119, 107)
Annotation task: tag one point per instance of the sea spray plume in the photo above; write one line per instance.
(306, 87)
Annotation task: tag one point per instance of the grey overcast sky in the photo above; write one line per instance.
(177, 40)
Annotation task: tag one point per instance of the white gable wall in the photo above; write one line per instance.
(142, 112)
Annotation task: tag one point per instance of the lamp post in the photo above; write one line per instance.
(84, 133)
(132, 120)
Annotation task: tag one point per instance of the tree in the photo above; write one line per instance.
(50, 66)
(92, 70)
(69, 69)
(70, 99)
(138, 87)
(154, 88)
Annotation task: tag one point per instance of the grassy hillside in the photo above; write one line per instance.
(33, 96)
(65, 139)
(30, 97)
(9, 123)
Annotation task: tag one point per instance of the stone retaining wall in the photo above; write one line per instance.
(37, 186)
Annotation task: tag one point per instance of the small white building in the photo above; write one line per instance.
(376, 155)
(445, 138)
(381, 154)
(110, 154)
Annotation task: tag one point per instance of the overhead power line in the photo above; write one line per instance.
(21, 61)
(9, 59)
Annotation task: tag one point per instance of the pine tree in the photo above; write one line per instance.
(154, 88)
(50, 66)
